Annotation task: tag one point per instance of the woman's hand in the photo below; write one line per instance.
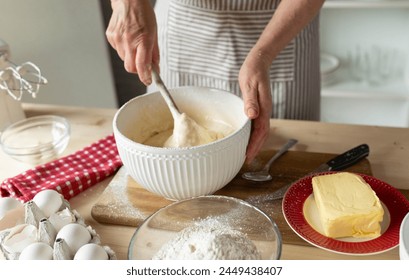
(132, 32)
(255, 86)
(288, 20)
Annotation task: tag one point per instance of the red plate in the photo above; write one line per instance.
(397, 207)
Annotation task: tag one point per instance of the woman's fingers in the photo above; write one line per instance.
(132, 33)
(261, 123)
(255, 87)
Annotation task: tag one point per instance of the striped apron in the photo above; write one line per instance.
(205, 42)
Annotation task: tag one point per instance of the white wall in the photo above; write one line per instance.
(342, 30)
(379, 35)
(66, 39)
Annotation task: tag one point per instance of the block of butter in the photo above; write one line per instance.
(347, 205)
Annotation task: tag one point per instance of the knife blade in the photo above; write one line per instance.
(337, 163)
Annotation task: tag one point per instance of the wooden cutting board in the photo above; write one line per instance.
(125, 202)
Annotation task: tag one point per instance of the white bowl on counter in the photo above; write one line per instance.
(404, 239)
(329, 64)
(180, 173)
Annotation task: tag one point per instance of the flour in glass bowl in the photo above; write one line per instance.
(208, 240)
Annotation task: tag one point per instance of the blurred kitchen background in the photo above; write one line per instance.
(364, 44)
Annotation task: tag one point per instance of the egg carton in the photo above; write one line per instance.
(50, 229)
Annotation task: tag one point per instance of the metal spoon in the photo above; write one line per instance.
(165, 94)
(264, 174)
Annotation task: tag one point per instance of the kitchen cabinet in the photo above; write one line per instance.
(371, 84)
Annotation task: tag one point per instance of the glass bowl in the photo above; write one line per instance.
(207, 227)
(36, 140)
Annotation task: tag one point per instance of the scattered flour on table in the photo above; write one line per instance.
(208, 239)
(117, 202)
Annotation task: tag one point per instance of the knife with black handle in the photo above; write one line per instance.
(338, 163)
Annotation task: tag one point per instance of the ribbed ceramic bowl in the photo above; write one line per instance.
(404, 239)
(180, 173)
(215, 212)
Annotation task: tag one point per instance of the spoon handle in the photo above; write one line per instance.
(282, 150)
(165, 93)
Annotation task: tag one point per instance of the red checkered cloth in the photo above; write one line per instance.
(69, 175)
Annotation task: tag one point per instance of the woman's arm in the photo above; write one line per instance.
(288, 20)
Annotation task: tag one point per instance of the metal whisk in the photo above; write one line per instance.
(17, 80)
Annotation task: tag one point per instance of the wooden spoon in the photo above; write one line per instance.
(166, 95)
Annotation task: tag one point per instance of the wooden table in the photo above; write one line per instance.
(389, 160)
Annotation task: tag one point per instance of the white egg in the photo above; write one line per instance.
(75, 236)
(91, 251)
(49, 201)
(7, 204)
(37, 251)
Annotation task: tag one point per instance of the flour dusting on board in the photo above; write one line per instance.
(117, 202)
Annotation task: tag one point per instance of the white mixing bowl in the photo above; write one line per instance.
(180, 173)
(404, 239)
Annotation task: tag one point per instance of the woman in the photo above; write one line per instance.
(266, 51)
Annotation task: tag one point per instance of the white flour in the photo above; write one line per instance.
(116, 201)
(209, 240)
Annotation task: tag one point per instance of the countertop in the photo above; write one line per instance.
(389, 151)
